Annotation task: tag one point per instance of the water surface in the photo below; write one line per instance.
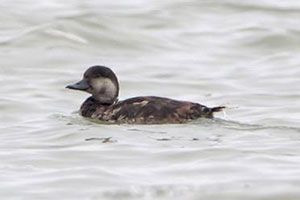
(242, 54)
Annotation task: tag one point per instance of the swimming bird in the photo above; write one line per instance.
(102, 83)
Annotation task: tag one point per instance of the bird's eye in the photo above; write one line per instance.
(85, 76)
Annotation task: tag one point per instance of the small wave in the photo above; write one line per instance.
(235, 125)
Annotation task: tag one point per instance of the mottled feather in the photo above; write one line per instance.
(146, 110)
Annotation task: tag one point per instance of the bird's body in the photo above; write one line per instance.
(102, 83)
(145, 110)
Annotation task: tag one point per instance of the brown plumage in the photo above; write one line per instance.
(103, 104)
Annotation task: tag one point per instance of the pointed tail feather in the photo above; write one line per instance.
(217, 109)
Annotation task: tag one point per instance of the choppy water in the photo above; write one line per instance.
(242, 54)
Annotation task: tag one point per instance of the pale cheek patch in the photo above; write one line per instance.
(104, 85)
(97, 84)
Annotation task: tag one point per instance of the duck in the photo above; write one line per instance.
(103, 104)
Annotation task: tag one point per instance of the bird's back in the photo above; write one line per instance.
(156, 110)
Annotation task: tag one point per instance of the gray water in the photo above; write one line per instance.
(239, 53)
